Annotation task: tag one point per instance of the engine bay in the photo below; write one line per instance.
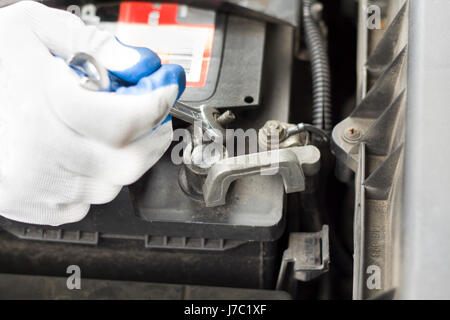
(284, 179)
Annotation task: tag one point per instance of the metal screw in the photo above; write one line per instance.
(271, 134)
(273, 128)
(273, 125)
(352, 134)
(225, 118)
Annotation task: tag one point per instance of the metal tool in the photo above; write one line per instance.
(205, 116)
(95, 77)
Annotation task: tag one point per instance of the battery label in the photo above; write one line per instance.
(177, 33)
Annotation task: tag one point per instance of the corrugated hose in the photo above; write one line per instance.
(322, 115)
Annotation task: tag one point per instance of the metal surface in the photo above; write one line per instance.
(292, 164)
(93, 75)
(309, 253)
(197, 161)
(424, 269)
(278, 135)
(363, 42)
(390, 45)
(371, 143)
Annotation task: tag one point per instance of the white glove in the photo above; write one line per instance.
(62, 147)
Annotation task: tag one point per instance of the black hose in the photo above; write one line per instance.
(322, 117)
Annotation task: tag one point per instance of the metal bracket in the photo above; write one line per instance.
(310, 254)
(292, 164)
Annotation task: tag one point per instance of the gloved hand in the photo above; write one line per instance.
(62, 147)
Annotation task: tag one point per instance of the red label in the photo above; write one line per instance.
(139, 12)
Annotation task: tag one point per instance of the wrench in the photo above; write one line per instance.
(93, 76)
(204, 115)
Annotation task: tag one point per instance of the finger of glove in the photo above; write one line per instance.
(118, 166)
(65, 34)
(78, 189)
(28, 210)
(59, 188)
(115, 119)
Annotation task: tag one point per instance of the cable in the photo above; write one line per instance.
(302, 127)
(322, 116)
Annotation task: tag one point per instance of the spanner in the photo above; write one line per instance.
(95, 77)
(204, 115)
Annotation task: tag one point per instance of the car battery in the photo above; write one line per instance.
(231, 62)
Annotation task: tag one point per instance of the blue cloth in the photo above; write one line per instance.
(147, 75)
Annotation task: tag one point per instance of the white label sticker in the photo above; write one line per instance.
(187, 46)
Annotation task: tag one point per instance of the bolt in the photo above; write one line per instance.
(271, 134)
(274, 128)
(273, 125)
(352, 134)
(225, 118)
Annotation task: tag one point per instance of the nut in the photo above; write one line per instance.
(274, 128)
(352, 134)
